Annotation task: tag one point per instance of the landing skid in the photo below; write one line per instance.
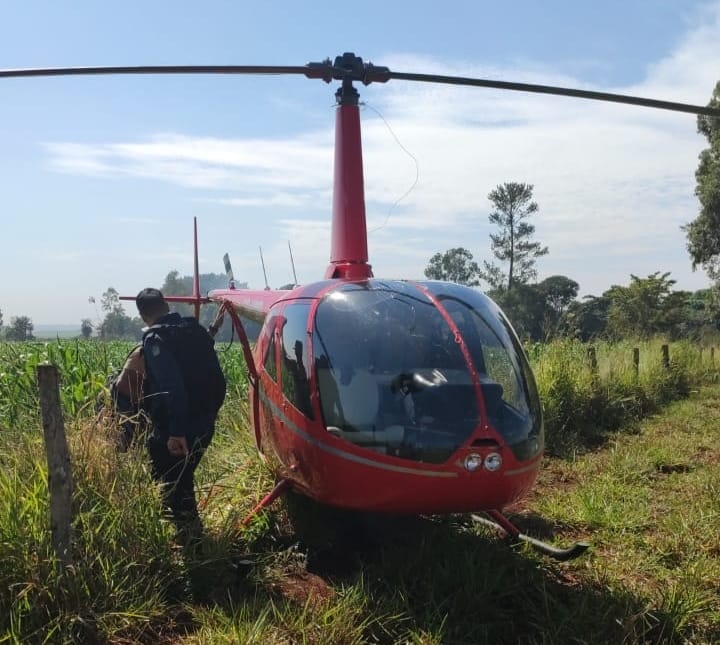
(280, 488)
(501, 523)
(504, 524)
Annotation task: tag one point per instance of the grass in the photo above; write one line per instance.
(650, 502)
(582, 405)
(646, 498)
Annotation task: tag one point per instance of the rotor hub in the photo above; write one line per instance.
(348, 66)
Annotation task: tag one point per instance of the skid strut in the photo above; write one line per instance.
(280, 488)
(503, 523)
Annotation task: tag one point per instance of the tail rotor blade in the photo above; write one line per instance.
(229, 271)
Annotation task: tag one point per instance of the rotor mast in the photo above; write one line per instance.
(349, 251)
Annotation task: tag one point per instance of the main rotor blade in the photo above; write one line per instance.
(366, 73)
(155, 69)
(559, 91)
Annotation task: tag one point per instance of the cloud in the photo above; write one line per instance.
(269, 200)
(202, 162)
(691, 71)
(611, 181)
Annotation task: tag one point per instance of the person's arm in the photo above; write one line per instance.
(129, 383)
(169, 388)
(214, 328)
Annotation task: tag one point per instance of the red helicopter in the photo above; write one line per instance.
(397, 396)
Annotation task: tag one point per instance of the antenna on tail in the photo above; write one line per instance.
(267, 286)
(292, 262)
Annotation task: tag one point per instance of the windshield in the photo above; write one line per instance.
(392, 376)
(514, 409)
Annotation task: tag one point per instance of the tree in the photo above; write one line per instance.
(21, 328)
(691, 315)
(455, 265)
(1, 322)
(587, 320)
(117, 324)
(524, 307)
(703, 234)
(110, 301)
(538, 312)
(177, 285)
(640, 309)
(86, 328)
(558, 292)
(513, 205)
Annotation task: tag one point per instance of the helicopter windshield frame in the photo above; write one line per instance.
(396, 374)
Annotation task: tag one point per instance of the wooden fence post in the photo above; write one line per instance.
(60, 482)
(636, 361)
(666, 356)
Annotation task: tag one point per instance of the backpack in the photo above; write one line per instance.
(130, 418)
(194, 351)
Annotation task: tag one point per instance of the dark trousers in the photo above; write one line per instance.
(177, 477)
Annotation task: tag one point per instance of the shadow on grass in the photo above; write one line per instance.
(169, 627)
(436, 580)
(568, 443)
(590, 427)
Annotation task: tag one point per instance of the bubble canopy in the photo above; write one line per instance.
(415, 369)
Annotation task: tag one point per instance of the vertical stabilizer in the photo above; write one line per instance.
(196, 272)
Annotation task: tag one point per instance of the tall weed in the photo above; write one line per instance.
(583, 401)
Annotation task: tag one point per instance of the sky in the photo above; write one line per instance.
(100, 177)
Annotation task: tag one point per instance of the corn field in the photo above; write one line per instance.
(579, 397)
(85, 368)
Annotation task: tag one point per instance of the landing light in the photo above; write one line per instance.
(493, 461)
(473, 462)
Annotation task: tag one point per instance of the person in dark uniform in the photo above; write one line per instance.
(185, 388)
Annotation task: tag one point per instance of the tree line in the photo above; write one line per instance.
(114, 323)
(20, 328)
(646, 306)
(117, 324)
(542, 311)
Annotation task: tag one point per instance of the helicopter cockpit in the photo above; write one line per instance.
(397, 368)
